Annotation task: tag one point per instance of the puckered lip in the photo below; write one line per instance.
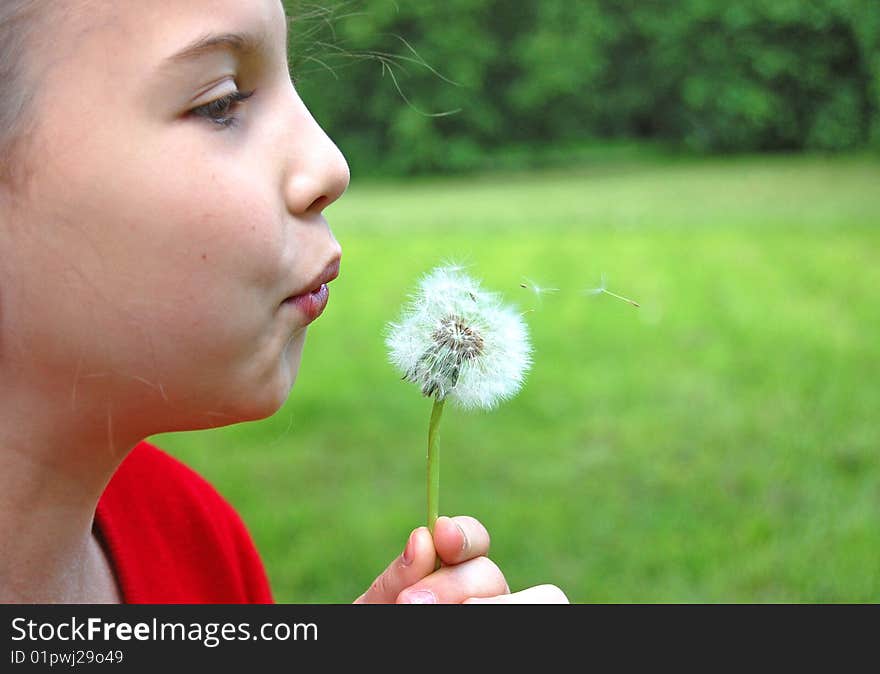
(330, 272)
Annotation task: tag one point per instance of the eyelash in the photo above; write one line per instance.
(218, 111)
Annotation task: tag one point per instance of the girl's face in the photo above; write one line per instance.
(144, 268)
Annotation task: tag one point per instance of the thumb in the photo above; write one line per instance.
(413, 564)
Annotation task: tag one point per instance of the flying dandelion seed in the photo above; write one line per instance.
(600, 289)
(537, 290)
(603, 290)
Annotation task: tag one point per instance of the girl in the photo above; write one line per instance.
(162, 251)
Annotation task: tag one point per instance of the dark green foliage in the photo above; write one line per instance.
(418, 86)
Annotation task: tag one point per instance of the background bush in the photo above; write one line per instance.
(536, 81)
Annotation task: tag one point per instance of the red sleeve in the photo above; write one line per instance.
(172, 539)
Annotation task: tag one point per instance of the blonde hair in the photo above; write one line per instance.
(17, 28)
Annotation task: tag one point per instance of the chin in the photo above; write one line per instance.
(271, 394)
(260, 402)
(261, 392)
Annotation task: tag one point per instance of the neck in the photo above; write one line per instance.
(54, 467)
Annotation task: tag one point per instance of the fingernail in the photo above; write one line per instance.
(420, 597)
(465, 543)
(408, 552)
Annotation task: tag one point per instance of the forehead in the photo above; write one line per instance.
(145, 33)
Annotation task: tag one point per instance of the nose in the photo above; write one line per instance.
(317, 172)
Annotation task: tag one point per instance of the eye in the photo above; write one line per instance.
(222, 110)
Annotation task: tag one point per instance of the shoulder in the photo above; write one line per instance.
(174, 536)
(159, 488)
(148, 472)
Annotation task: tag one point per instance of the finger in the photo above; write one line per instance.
(540, 594)
(460, 538)
(478, 577)
(413, 564)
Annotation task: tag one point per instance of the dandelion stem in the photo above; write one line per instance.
(434, 466)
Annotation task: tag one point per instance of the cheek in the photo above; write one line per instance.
(209, 273)
(176, 208)
(173, 277)
(213, 225)
(193, 254)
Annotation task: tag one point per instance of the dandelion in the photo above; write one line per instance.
(603, 290)
(456, 341)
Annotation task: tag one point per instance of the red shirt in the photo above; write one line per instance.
(172, 539)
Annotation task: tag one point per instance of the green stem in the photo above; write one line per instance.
(434, 465)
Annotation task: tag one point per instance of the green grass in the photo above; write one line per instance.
(719, 444)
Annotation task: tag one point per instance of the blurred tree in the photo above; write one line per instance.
(463, 84)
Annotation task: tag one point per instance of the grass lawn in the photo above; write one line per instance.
(720, 444)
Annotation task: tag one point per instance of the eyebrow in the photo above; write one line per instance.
(240, 43)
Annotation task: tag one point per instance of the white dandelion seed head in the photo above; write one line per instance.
(455, 340)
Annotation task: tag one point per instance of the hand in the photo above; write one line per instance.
(467, 575)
